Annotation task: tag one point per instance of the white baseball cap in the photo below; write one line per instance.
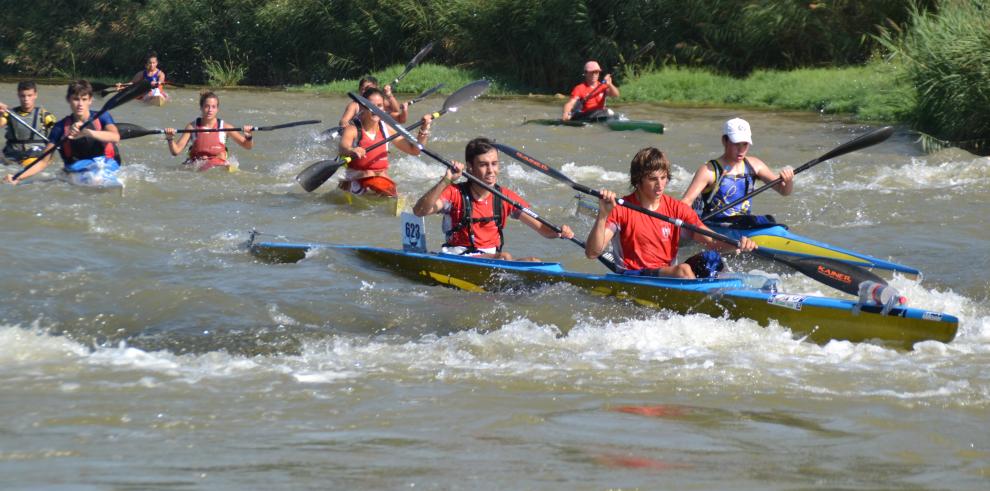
(737, 129)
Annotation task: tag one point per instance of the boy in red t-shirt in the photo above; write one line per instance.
(473, 216)
(647, 244)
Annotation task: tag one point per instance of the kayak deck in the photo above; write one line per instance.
(819, 319)
(614, 124)
(390, 206)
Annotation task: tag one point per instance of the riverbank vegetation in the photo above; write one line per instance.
(797, 54)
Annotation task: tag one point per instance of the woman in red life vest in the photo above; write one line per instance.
(208, 149)
(647, 245)
(368, 171)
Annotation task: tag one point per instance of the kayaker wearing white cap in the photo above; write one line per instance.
(591, 93)
(725, 179)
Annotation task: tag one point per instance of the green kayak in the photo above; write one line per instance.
(614, 124)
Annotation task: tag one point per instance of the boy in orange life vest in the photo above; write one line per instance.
(732, 175)
(594, 105)
(208, 149)
(645, 244)
(86, 150)
(474, 217)
(368, 171)
(398, 111)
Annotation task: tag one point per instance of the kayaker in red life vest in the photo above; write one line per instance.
(208, 149)
(593, 106)
(647, 245)
(399, 112)
(473, 217)
(732, 175)
(86, 149)
(152, 74)
(368, 172)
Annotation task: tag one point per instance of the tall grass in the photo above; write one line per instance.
(872, 92)
(947, 61)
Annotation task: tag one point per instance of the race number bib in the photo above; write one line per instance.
(413, 233)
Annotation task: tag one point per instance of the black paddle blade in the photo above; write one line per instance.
(836, 274)
(419, 56)
(128, 131)
(465, 94)
(426, 94)
(334, 132)
(127, 94)
(867, 140)
(316, 174)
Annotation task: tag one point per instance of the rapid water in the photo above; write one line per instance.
(142, 347)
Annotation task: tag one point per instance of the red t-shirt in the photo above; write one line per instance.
(486, 233)
(645, 242)
(592, 104)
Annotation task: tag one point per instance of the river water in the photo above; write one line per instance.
(142, 347)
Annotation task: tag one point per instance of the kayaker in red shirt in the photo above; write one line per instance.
(474, 217)
(646, 245)
(594, 105)
(368, 172)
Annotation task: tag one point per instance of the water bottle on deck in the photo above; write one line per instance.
(873, 293)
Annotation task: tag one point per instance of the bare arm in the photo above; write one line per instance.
(600, 234)
(430, 202)
(544, 230)
(702, 179)
(422, 137)
(568, 107)
(762, 170)
(244, 137)
(34, 169)
(349, 112)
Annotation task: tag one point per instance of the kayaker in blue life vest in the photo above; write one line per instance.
(25, 143)
(474, 218)
(153, 74)
(86, 151)
(732, 175)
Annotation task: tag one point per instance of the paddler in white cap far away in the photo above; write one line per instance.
(588, 98)
(731, 176)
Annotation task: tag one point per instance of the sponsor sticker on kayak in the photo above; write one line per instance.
(931, 316)
(786, 300)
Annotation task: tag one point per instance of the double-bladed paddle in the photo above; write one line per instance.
(336, 131)
(605, 259)
(869, 139)
(128, 130)
(104, 90)
(317, 173)
(121, 97)
(838, 275)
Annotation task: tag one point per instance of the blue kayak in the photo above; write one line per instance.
(820, 319)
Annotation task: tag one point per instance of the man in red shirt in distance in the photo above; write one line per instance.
(473, 216)
(647, 245)
(593, 106)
